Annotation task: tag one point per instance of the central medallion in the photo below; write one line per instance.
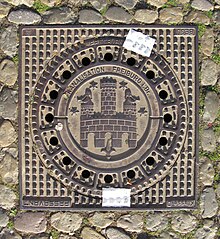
(112, 114)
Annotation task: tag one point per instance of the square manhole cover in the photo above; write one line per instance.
(103, 127)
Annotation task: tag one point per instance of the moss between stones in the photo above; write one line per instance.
(170, 3)
(10, 224)
(201, 29)
(104, 10)
(209, 14)
(217, 178)
(86, 221)
(55, 234)
(15, 59)
(216, 58)
(187, 7)
(213, 156)
(13, 212)
(40, 7)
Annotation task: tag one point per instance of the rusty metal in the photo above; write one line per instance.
(95, 115)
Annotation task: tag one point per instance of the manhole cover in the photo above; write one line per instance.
(95, 116)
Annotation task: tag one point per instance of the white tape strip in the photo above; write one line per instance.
(116, 197)
(139, 43)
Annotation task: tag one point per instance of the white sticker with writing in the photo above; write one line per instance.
(139, 43)
(116, 197)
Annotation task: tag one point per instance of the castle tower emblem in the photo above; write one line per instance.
(108, 127)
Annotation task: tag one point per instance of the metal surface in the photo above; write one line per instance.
(95, 115)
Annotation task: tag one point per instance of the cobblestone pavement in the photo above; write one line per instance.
(201, 223)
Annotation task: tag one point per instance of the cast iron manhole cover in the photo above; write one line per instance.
(95, 116)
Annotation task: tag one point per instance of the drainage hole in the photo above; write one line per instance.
(86, 61)
(131, 174)
(108, 57)
(53, 94)
(131, 61)
(85, 174)
(150, 161)
(163, 94)
(150, 74)
(66, 75)
(163, 141)
(66, 160)
(167, 118)
(54, 141)
(108, 178)
(49, 117)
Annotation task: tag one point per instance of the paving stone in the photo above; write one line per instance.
(40, 236)
(205, 233)
(60, 15)
(146, 16)
(157, 3)
(209, 72)
(4, 9)
(62, 236)
(78, 3)
(31, 222)
(202, 5)
(8, 72)
(23, 16)
(12, 151)
(128, 4)
(209, 205)
(171, 15)
(9, 169)
(115, 233)
(183, 223)
(90, 16)
(28, 3)
(4, 219)
(101, 219)
(50, 3)
(156, 221)
(9, 234)
(168, 235)
(99, 4)
(206, 172)
(216, 17)
(1, 86)
(208, 231)
(8, 134)
(218, 166)
(207, 42)
(208, 140)
(144, 235)
(8, 104)
(218, 191)
(211, 104)
(7, 197)
(9, 41)
(131, 223)
(88, 233)
(66, 222)
(118, 14)
(183, 1)
(197, 17)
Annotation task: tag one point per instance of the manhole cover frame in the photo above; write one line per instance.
(171, 204)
